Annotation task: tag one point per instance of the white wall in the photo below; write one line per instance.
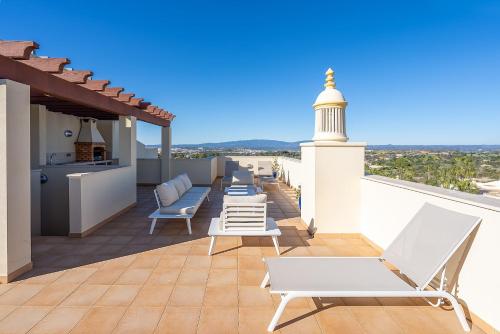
(149, 171)
(387, 205)
(291, 171)
(144, 152)
(200, 171)
(15, 178)
(95, 197)
(56, 142)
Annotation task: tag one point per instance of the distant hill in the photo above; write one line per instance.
(277, 145)
(251, 144)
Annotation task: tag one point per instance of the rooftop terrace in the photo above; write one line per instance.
(121, 279)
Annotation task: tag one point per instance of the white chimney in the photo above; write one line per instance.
(330, 113)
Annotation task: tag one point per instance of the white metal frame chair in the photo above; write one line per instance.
(244, 219)
(421, 252)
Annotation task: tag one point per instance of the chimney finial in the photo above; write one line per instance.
(329, 81)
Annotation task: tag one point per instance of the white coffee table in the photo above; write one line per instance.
(272, 230)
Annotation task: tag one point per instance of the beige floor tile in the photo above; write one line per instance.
(5, 310)
(224, 262)
(52, 294)
(6, 287)
(250, 277)
(172, 261)
(76, 275)
(139, 320)
(375, 319)
(119, 295)
(166, 276)
(187, 295)
(218, 320)
(134, 276)
(99, 320)
(179, 320)
(250, 263)
(338, 319)
(105, 275)
(254, 320)
(198, 261)
(193, 277)
(153, 295)
(221, 296)
(86, 295)
(413, 321)
(60, 320)
(298, 321)
(22, 319)
(20, 294)
(219, 277)
(254, 296)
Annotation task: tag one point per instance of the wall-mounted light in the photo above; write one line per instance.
(68, 133)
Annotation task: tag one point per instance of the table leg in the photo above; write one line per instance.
(212, 245)
(276, 244)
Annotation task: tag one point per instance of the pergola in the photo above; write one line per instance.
(72, 91)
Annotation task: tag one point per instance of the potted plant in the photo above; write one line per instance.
(298, 196)
(275, 167)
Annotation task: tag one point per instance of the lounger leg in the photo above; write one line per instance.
(212, 245)
(284, 300)
(265, 281)
(276, 245)
(153, 224)
(459, 311)
(188, 223)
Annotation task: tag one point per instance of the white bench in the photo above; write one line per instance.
(184, 208)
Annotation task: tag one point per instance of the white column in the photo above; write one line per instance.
(15, 175)
(166, 146)
(127, 141)
(331, 186)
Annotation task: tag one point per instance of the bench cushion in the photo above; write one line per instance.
(188, 203)
(185, 179)
(167, 193)
(179, 185)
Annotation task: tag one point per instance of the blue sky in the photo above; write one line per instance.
(423, 72)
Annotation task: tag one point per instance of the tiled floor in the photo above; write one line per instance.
(122, 280)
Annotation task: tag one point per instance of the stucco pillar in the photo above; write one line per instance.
(331, 185)
(15, 180)
(166, 146)
(127, 141)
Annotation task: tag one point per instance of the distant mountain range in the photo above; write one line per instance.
(277, 145)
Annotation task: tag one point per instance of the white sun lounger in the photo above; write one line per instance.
(420, 252)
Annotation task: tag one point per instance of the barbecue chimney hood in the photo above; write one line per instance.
(90, 146)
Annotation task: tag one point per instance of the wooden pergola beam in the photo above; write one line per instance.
(125, 97)
(97, 85)
(78, 77)
(17, 49)
(64, 90)
(51, 65)
(112, 91)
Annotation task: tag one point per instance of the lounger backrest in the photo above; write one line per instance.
(230, 167)
(244, 213)
(265, 168)
(428, 241)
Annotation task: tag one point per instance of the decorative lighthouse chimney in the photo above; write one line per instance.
(332, 168)
(330, 112)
